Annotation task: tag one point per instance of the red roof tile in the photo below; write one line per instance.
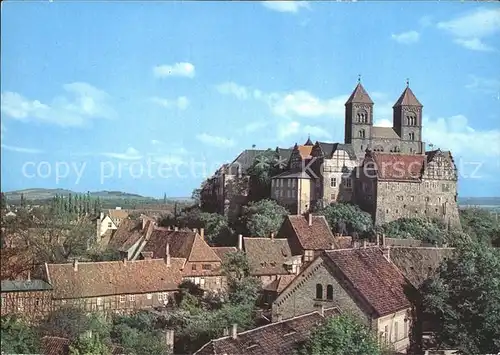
(373, 278)
(398, 167)
(267, 256)
(126, 235)
(223, 251)
(280, 283)
(95, 279)
(317, 236)
(55, 345)
(272, 339)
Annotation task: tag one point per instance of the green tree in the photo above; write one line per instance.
(242, 289)
(342, 335)
(217, 230)
(479, 223)
(3, 201)
(23, 200)
(262, 218)
(90, 344)
(464, 300)
(18, 337)
(351, 215)
(263, 168)
(425, 229)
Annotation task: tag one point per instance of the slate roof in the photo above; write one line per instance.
(24, 285)
(407, 98)
(318, 236)
(223, 251)
(93, 279)
(398, 167)
(284, 153)
(267, 256)
(330, 148)
(280, 283)
(281, 338)
(373, 278)
(359, 95)
(182, 244)
(292, 174)
(384, 132)
(55, 345)
(418, 264)
(244, 160)
(126, 235)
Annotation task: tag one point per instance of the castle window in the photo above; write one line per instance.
(412, 136)
(329, 292)
(333, 182)
(361, 133)
(319, 291)
(362, 117)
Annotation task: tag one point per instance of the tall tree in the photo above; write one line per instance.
(351, 215)
(263, 217)
(17, 337)
(23, 201)
(165, 198)
(3, 201)
(464, 300)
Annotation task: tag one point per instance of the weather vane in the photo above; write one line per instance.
(407, 82)
(359, 78)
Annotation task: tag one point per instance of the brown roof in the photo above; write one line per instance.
(95, 279)
(272, 339)
(122, 214)
(223, 251)
(267, 256)
(55, 345)
(373, 278)
(398, 167)
(182, 244)
(280, 283)
(316, 236)
(407, 98)
(343, 242)
(359, 95)
(305, 151)
(126, 235)
(384, 132)
(418, 264)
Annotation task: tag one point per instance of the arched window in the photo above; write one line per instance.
(319, 291)
(329, 292)
(362, 116)
(379, 148)
(412, 136)
(361, 133)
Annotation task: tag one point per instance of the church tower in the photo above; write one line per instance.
(358, 120)
(407, 122)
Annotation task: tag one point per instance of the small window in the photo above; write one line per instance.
(386, 334)
(218, 280)
(206, 267)
(411, 136)
(122, 298)
(149, 296)
(361, 133)
(110, 224)
(333, 182)
(131, 298)
(193, 267)
(332, 197)
(319, 291)
(406, 328)
(412, 198)
(329, 292)
(294, 182)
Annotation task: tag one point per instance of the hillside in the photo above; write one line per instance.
(46, 194)
(479, 201)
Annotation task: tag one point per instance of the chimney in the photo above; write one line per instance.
(147, 255)
(234, 332)
(176, 228)
(29, 275)
(167, 254)
(310, 217)
(240, 242)
(195, 230)
(75, 265)
(364, 243)
(225, 332)
(169, 339)
(378, 239)
(124, 260)
(202, 233)
(387, 253)
(169, 228)
(272, 235)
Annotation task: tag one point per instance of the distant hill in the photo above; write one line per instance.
(479, 201)
(47, 194)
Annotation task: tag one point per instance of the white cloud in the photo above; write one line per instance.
(286, 6)
(304, 104)
(425, 21)
(384, 122)
(287, 129)
(182, 69)
(129, 154)
(484, 85)
(231, 88)
(316, 132)
(21, 149)
(3, 129)
(470, 29)
(215, 141)
(156, 142)
(180, 103)
(82, 104)
(455, 134)
(406, 37)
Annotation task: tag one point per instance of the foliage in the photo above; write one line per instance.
(342, 335)
(3, 201)
(424, 229)
(67, 322)
(263, 217)
(464, 299)
(235, 265)
(104, 255)
(89, 344)
(18, 337)
(480, 224)
(351, 215)
(263, 168)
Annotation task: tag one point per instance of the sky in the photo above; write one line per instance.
(152, 97)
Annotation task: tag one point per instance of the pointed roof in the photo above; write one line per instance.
(407, 98)
(309, 141)
(359, 95)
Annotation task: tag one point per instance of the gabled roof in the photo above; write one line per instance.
(359, 95)
(104, 278)
(272, 339)
(284, 153)
(126, 235)
(372, 278)
(24, 285)
(55, 345)
(182, 244)
(329, 148)
(418, 264)
(223, 251)
(317, 236)
(267, 256)
(244, 160)
(398, 167)
(407, 98)
(384, 132)
(304, 151)
(309, 141)
(280, 283)
(114, 213)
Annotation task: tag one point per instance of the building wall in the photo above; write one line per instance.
(395, 329)
(306, 195)
(31, 305)
(285, 192)
(106, 224)
(341, 189)
(208, 279)
(300, 296)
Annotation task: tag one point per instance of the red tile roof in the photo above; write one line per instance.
(223, 251)
(126, 235)
(55, 345)
(398, 167)
(267, 256)
(95, 279)
(373, 278)
(317, 236)
(273, 339)
(280, 283)
(359, 95)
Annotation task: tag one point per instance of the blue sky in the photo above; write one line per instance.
(93, 92)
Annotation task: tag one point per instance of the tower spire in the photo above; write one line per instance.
(359, 78)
